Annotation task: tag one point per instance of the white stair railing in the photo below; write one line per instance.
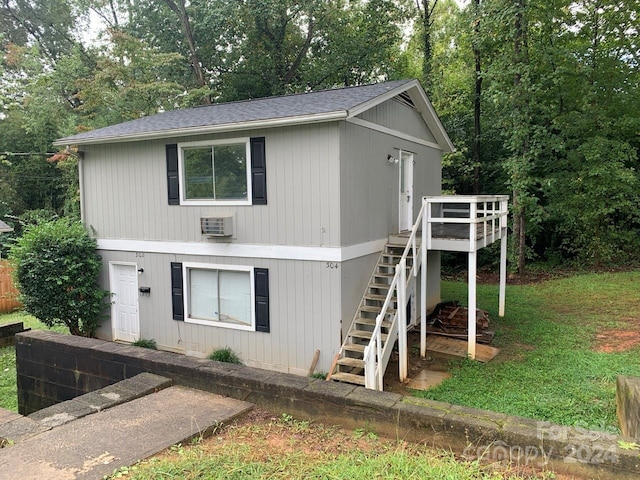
(376, 356)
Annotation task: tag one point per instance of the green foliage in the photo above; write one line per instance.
(240, 458)
(226, 355)
(8, 387)
(56, 270)
(559, 102)
(548, 368)
(146, 343)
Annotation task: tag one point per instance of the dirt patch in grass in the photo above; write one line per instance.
(260, 437)
(619, 339)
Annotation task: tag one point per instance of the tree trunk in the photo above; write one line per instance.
(520, 60)
(426, 14)
(181, 11)
(476, 98)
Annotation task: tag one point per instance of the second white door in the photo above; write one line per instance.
(124, 313)
(405, 211)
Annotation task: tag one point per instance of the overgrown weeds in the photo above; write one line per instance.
(284, 447)
(226, 355)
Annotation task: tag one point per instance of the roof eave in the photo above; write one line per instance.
(423, 106)
(205, 129)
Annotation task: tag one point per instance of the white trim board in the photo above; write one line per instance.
(244, 250)
(396, 133)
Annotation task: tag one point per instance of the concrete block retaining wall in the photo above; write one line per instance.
(53, 368)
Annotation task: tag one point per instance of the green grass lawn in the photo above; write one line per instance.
(549, 368)
(8, 392)
(263, 448)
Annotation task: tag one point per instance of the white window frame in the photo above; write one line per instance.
(212, 266)
(213, 143)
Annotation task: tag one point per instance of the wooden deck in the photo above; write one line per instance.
(458, 348)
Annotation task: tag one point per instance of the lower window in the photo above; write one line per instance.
(219, 295)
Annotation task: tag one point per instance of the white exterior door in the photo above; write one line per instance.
(124, 311)
(405, 211)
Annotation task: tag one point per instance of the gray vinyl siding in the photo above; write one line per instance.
(303, 190)
(397, 116)
(304, 304)
(370, 184)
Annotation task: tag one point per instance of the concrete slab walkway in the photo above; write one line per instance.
(94, 446)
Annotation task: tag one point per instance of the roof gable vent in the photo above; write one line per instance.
(217, 226)
(405, 99)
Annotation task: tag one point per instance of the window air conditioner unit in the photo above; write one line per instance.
(217, 226)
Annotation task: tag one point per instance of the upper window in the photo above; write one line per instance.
(216, 172)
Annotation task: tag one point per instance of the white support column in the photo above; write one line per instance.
(471, 339)
(423, 288)
(503, 273)
(401, 312)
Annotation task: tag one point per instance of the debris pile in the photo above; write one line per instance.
(449, 319)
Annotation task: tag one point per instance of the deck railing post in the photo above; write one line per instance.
(503, 257)
(473, 213)
(401, 312)
(471, 327)
(423, 287)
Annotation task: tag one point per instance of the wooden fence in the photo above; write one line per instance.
(8, 293)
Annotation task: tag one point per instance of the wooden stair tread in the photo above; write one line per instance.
(383, 275)
(372, 322)
(354, 347)
(391, 265)
(375, 296)
(348, 378)
(372, 309)
(366, 335)
(379, 286)
(351, 362)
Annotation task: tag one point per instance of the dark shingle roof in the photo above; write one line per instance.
(257, 110)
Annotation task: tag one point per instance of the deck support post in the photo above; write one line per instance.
(423, 288)
(471, 339)
(401, 312)
(503, 272)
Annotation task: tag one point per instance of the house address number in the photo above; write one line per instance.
(331, 265)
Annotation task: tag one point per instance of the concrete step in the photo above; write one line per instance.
(94, 446)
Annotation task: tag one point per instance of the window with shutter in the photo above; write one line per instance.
(221, 172)
(221, 295)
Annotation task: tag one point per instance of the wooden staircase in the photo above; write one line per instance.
(349, 365)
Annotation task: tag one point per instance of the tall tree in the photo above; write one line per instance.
(477, 95)
(426, 10)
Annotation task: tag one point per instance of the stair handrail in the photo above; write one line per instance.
(373, 373)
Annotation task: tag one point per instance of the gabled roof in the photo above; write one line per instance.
(312, 107)
(4, 228)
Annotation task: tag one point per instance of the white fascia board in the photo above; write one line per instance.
(363, 107)
(214, 249)
(431, 118)
(392, 132)
(208, 129)
(423, 105)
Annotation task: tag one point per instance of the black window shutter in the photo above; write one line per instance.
(261, 278)
(177, 296)
(258, 171)
(173, 185)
